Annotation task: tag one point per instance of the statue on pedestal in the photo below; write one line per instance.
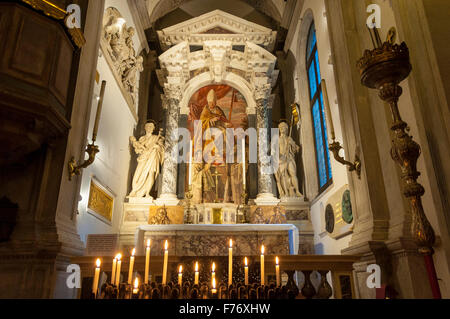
(150, 149)
(286, 175)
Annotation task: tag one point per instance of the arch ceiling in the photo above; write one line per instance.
(271, 8)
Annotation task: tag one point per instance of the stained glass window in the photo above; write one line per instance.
(318, 112)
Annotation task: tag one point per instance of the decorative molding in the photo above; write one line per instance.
(238, 31)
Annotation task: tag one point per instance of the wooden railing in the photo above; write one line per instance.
(340, 268)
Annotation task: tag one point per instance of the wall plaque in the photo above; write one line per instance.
(101, 202)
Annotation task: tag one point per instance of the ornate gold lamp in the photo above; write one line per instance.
(91, 149)
(383, 68)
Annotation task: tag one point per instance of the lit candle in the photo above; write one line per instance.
(246, 271)
(119, 265)
(166, 260)
(130, 270)
(277, 270)
(180, 275)
(328, 110)
(214, 290)
(147, 261)
(213, 275)
(99, 111)
(196, 274)
(96, 278)
(244, 179)
(230, 263)
(190, 163)
(113, 273)
(136, 286)
(262, 266)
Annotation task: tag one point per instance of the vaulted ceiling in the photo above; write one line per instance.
(241, 8)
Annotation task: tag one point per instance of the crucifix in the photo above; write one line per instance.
(216, 175)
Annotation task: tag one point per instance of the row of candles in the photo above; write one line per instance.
(117, 264)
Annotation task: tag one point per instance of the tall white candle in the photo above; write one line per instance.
(166, 260)
(147, 261)
(96, 278)
(99, 111)
(119, 265)
(130, 270)
(230, 263)
(326, 102)
(136, 286)
(277, 270)
(246, 271)
(214, 290)
(190, 162)
(113, 273)
(180, 275)
(262, 266)
(196, 274)
(213, 274)
(244, 179)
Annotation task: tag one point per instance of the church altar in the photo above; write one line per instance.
(212, 240)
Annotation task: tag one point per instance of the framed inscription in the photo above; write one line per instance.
(101, 202)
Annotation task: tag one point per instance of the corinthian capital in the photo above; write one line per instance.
(173, 91)
(262, 92)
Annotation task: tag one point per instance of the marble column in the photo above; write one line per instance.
(169, 171)
(265, 186)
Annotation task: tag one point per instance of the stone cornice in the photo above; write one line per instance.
(193, 31)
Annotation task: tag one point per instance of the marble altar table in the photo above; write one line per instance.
(212, 240)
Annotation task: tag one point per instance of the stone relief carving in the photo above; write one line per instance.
(297, 215)
(286, 175)
(120, 47)
(278, 217)
(150, 149)
(161, 217)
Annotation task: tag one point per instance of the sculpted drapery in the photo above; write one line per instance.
(150, 149)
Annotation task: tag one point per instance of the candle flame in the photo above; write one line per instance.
(214, 283)
(277, 260)
(148, 243)
(246, 261)
(181, 269)
(196, 267)
(262, 250)
(133, 252)
(166, 245)
(119, 257)
(98, 262)
(136, 283)
(231, 243)
(214, 267)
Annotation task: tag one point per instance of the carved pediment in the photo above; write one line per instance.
(217, 25)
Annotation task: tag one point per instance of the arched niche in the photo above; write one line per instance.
(206, 79)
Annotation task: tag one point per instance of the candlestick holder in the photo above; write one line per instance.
(243, 211)
(190, 209)
(75, 169)
(383, 68)
(335, 148)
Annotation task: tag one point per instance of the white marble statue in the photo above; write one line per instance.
(150, 149)
(286, 175)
